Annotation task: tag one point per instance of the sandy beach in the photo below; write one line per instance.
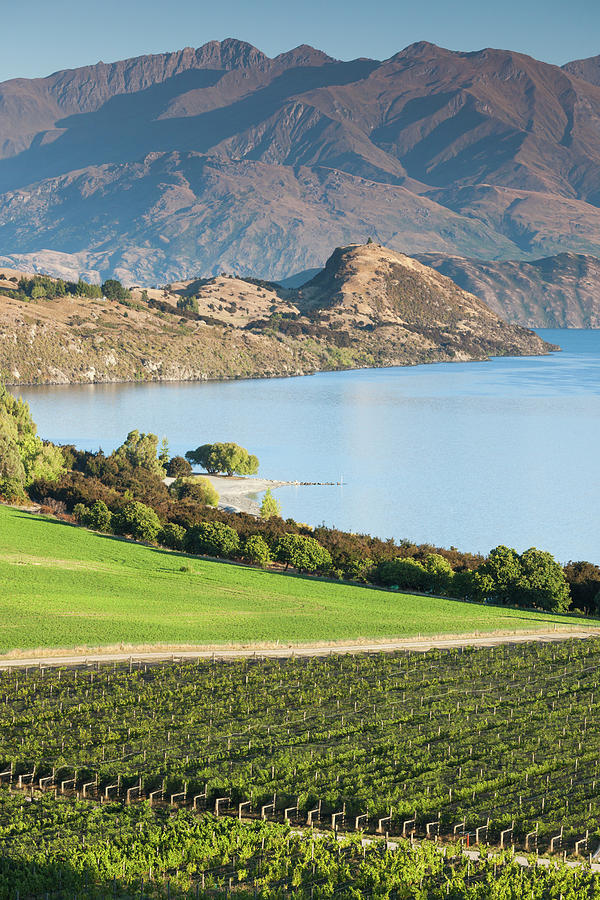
(237, 494)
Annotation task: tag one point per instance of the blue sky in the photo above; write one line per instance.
(39, 37)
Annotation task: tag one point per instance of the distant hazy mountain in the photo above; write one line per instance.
(185, 163)
(560, 291)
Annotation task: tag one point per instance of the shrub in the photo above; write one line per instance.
(178, 466)
(99, 517)
(80, 513)
(188, 303)
(212, 539)
(256, 550)
(58, 507)
(172, 536)
(303, 553)
(139, 521)
(74, 488)
(198, 489)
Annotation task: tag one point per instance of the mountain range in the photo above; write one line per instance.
(183, 164)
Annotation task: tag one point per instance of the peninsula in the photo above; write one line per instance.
(368, 307)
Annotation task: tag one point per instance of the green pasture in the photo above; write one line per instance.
(63, 587)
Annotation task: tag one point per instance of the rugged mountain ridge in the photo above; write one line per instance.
(166, 166)
(561, 291)
(369, 306)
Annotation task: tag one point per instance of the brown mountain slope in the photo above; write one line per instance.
(587, 69)
(164, 166)
(560, 291)
(369, 307)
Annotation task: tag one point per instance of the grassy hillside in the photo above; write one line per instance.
(369, 307)
(62, 586)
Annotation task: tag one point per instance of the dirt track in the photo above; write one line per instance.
(167, 653)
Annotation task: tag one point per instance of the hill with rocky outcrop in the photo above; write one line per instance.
(369, 306)
(561, 291)
(161, 167)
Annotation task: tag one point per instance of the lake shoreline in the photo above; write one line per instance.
(238, 494)
(273, 375)
(462, 455)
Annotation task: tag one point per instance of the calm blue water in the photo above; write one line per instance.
(463, 454)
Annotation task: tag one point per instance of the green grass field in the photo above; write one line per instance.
(62, 586)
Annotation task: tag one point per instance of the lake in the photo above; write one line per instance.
(463, 454)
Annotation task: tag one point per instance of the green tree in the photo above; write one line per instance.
(163, 452)
(212, 539)
(114, 290)
(178, 466)
(41, 459)
(543, 581)
(38, 459)
(405, 573)
(12, 472)
(256, 550)
(139, 521)
(140, 450)
(439, 573)
(224, 457)
(533, 578)
(38, 292)
(503, 567)
(269, 507)
(303, 553)
(583, 579)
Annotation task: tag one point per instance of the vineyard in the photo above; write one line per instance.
(61, 849)
(497, 745)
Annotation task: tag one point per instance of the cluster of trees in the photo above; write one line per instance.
(188, 304)
(125, 493)
(113, 493)
(139, 521)
(224, 457)
(43, 287)
(24, 457)
(529, 579)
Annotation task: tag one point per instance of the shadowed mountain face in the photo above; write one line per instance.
(185, 163)
(561, 291)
